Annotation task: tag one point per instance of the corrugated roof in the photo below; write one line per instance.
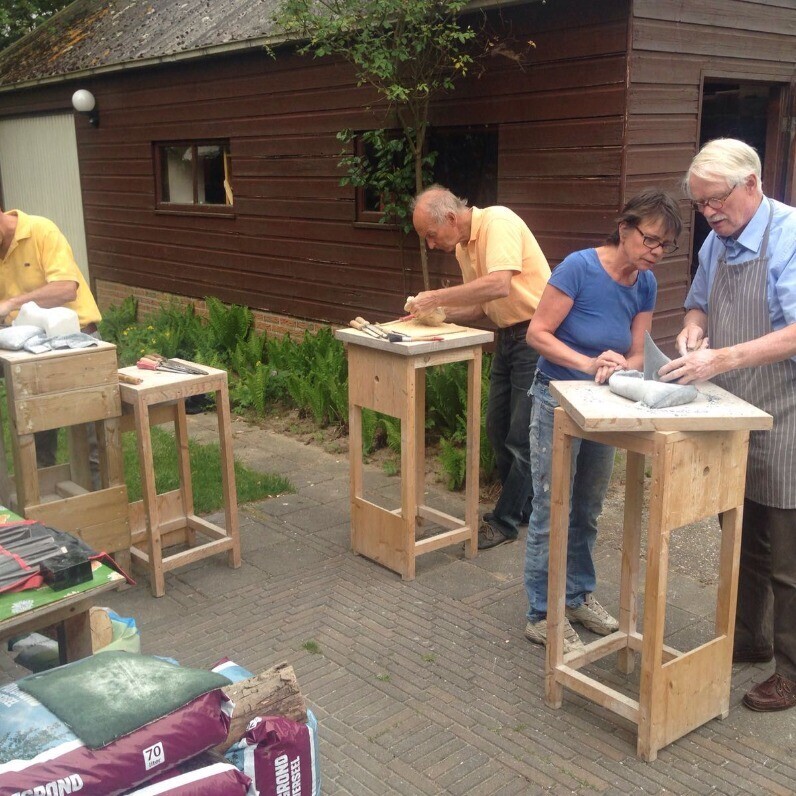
(91, 36)
(99, 35)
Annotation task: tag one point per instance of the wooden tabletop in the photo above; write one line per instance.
(16, 357)
(157, 385)
(595, 408)
(469, 337)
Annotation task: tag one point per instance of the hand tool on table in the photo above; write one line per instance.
(374, 330)
(159, 362)
(125, 379)
(362, 326)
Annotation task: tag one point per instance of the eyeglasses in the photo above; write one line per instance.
(652, 243)
(716, 203)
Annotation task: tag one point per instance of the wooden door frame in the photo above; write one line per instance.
(778, 165)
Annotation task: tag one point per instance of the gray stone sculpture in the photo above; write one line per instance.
(646, 388)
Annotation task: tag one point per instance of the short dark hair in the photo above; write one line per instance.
(649, 204)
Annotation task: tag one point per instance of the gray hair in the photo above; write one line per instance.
(724, 159)
(438, 202)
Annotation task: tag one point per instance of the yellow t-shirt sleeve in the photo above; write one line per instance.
(57, 258)
(503, 246)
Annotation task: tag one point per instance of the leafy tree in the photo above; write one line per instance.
(20, 17)
(409, 51)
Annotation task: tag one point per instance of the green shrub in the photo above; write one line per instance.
(310, 374)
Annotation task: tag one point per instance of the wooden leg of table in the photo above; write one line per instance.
(6, 484)
(473, 453)
(227, 475)
(26, 472)
(729, 562)
(184, 467)
(409, 432)
(78, 456)
(420, 443)
(157, 579)
(355, 464)
(77, 632)
(652, 696)
(557, 562)
(631, 552)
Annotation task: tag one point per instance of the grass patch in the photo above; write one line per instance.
(205, 471)
(312, 647)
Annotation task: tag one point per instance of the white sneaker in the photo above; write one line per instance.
(593, 617)
(537, 632)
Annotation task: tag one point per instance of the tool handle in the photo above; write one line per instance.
(125, 379)
(361, 326)
(147, 364)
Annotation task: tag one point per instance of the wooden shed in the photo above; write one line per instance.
(212, 169)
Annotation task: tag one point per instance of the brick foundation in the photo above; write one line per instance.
(149, 302)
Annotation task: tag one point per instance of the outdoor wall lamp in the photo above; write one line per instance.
(83, 102)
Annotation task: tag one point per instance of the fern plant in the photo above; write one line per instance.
(227, 325)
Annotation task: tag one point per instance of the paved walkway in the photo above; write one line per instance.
(429, 687)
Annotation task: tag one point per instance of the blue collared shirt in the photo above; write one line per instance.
(781, 261)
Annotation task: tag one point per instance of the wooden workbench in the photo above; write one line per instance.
(390, 378)
(67, 388)
(158, 521)
(698, 469)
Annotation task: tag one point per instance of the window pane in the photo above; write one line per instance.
(176, 177)
(467, 162)
(211, 165)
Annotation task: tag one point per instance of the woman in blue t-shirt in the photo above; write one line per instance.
(590, 322)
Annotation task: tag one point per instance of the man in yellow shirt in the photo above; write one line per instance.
(37, 264)
(505, 273)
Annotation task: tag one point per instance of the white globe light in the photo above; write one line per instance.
(83, 101)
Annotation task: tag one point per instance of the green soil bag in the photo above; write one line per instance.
(106, 696)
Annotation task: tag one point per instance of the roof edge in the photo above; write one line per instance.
(187, 55)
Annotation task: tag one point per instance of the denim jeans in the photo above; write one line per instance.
(592, 464)
(508, 417)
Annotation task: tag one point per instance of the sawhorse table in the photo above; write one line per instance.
(390, 378)
(698, 463)
(162, 520)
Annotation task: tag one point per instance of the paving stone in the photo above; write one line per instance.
(428, 687)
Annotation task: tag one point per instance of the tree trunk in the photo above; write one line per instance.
(274, 692)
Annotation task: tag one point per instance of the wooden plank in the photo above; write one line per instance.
(43, 412)
(769, 17)
(99, 518)
(60, 371)
(595, 408)
(598, 693)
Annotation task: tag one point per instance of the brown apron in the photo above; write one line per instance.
(738, 312)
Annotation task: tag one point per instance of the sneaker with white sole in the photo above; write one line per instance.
(593, 617)
(537, 632)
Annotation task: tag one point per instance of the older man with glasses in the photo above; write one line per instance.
(740, 332)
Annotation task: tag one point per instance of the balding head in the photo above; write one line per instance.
(440, 218)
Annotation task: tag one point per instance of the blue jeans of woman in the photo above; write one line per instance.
(592, 465)
(508, 416)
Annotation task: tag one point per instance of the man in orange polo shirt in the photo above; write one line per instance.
(505, 273)
(37, 264)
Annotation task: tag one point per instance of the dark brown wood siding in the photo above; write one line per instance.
(292, 246)
(673, 46)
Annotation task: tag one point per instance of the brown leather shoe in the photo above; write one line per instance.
(752, 656)
(489, 537)
(776, 693)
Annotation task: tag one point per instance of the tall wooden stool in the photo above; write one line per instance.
(698, 456)
(67, 388)
(390, 378)
(163, 520)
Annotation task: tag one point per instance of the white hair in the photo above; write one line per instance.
(438, 201)
(724, 159)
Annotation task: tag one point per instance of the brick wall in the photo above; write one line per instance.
(149, 302)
